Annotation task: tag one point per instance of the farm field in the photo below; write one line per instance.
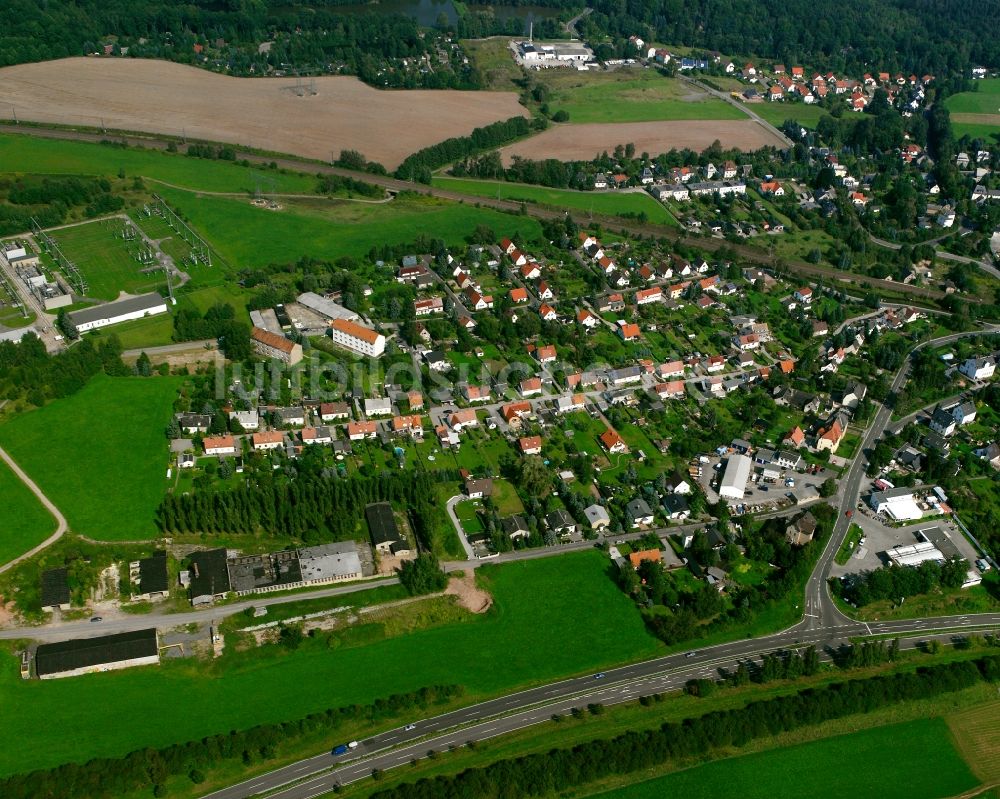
(26, 522)
(252, 236)
(977, 113)
(536, 603)
(615, 203)
(53, 157)
(584, 142)
(264, 113)
(977, 735)
(776, 113)
(103, 257)
(926, 767)
(100, 454)
(631, 95)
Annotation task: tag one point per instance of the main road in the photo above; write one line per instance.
(822, 625)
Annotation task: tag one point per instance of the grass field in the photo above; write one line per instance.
(915, 760)
(100, 454)
(977, 114)
(776, 113)
(53, 157)
(630, 96)
(977, 734)
(250, 236)
(25, 522)
(985, 100)
(103, 258)
(152, 331)
(612, 203)
(524, 638)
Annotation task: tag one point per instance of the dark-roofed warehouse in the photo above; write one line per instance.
(104, 653)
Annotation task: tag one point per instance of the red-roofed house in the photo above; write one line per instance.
(519, 295)
(612, 442)
(530, 445)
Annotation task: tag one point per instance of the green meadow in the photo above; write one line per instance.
(532, 634)
(25, 522)
(100, 455)
(608, 203)
(631, 96)
(54, 157)
(914, 760)
(249, 236)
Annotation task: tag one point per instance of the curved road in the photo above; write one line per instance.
(61, 525)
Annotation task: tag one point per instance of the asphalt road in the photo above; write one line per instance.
(823, 625)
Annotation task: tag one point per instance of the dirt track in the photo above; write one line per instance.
(583, 142)
(264, 113)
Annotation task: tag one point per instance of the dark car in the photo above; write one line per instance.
(96, 618)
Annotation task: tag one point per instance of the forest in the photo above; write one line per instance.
(313, 506)
(30, 373)
(920, 36)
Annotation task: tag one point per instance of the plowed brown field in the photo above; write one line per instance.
(265, 113)
(583, 142)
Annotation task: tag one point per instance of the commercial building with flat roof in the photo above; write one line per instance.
(734, 479)
(914, 554)
(325, 307)
(90, 655)
(111, 313)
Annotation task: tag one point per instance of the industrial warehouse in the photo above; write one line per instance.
(90, 655)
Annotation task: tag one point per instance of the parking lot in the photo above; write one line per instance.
(792, 487)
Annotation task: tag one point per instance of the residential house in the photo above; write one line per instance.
(801, 531)
(646, 296)
(676, 507)
(639, 512)
(597, 517)
(220, 445)
(587, 318)
(531, 387)
(316, 435)
(460, 419)
(613, 442)
(530, 445)
(477, 489)
(978, 368)
(334, 411)
(267, 440)
(358, 431)
(828, 437)
(476, 393)
(629, 331)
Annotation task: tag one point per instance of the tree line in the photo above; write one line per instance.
(311, 507)
(28, 372)
(900, 582)
(559, 769)
(422, 163)
(50, 200)
(117, 776)
(218, 322)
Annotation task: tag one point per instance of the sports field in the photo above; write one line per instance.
(104, 258)
(977, 113)
(524, 638)
(630, 95)
(100, 455)
(915, 760)
(24, 522)
(610, 203)
(28, 154)
(251, 236)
